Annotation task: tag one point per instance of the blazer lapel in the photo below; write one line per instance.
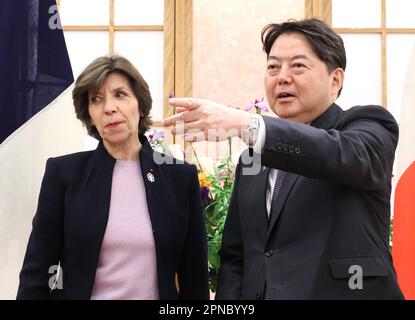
(155, 185)
(324, 121)
(286, 187)
(257, 191)
(92, 217)
(161, 203)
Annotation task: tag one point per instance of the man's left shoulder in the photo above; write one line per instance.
(374, 112)
(369, 113)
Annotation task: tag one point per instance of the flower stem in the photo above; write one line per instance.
(230, 147)
(197, 159)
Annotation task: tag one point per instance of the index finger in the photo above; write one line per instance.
(188, 103)
(172, 120)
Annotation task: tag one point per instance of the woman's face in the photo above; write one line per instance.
(114, 110)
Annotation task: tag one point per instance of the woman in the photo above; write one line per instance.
(120, 224)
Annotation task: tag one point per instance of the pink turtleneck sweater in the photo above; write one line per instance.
(127, 266)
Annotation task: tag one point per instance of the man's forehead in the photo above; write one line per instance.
(291, 41)
(287, 57)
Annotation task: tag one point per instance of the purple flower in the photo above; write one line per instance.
(258, 104)
(204, 194)
(156, 136)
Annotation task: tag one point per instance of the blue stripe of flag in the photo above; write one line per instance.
(34, 62)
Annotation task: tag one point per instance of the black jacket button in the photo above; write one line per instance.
(268, 253)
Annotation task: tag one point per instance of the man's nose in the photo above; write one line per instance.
(284, 75)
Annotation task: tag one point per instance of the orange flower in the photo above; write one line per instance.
(204, 180)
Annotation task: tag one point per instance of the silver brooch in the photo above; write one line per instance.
(150, 177)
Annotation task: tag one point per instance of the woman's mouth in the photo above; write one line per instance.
(113, 125)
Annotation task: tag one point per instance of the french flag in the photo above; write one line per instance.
(403, 242)
(35, 72)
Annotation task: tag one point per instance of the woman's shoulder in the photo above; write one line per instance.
(71, 159)
(174, 165)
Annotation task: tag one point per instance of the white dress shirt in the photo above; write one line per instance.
(258, 148)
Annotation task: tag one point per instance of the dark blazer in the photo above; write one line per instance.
(71, 219)
(331, 214)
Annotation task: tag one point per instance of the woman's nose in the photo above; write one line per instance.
(110, 106)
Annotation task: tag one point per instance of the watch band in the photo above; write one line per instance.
(250, 134)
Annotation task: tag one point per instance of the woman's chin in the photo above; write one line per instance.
(117, 139)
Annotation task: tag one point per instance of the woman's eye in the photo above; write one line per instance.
(94, 99)
(120, 94)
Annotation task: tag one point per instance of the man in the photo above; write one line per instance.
(314, 223)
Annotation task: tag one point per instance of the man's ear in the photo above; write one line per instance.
(337, 80)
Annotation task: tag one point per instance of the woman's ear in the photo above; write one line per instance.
(337, 81)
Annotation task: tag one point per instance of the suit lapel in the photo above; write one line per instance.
(257, 190)
(277, 207)
(324, 121)
(162, 206)
(160, 201)
(92, 217)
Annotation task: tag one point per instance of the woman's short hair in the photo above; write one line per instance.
(93, 77)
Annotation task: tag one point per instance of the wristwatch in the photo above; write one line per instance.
(250, 133)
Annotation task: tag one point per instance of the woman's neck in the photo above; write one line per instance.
(126, 151)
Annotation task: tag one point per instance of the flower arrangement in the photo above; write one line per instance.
(156, 140)
(215, 191)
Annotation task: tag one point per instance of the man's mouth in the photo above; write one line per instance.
(285, 97)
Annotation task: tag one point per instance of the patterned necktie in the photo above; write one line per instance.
(277, 187)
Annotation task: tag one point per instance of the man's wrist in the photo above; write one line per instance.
(244, 122)
(249, 134)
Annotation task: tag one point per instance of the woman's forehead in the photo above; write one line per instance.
(112, 82)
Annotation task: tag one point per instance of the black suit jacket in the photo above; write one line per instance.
(71, 219)
(331, 215)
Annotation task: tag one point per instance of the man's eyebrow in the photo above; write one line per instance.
(298, 56)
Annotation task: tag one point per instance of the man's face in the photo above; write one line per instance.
(297, 83)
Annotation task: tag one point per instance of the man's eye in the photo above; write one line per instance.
(299, 65)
